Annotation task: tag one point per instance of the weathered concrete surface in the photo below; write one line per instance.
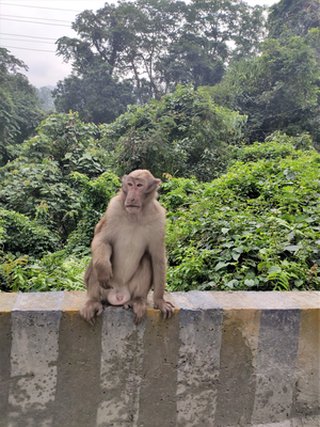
(223, 360)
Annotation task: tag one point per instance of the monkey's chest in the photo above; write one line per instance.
(131, 242)
(127, 254)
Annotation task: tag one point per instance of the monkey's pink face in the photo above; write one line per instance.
(135, 190)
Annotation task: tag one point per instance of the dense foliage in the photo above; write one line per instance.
(256, 227)
(20, 109)
(278, 90)
(183, 133)
(293, 17)
(141, 49)
(40, 182)
(134, 51)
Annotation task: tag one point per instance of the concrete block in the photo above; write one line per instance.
(159, 371)
(38, 301)
(198, 367)
(225, 359)
(33, 371)
(121, 359)
(7, 302)
(5, 361)
(237, 379)
(78, 372)
(307, 387)
(275, 365)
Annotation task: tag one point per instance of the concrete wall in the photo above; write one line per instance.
(224, 359)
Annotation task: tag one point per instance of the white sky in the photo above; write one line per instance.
(24, 33)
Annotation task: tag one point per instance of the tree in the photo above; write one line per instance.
(278, 90)
(156, 44)
(293, 17)
(95, 95)
(213, 34)
(128, 38)
(184, 133)
(19, 106)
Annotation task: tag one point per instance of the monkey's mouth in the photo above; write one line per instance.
(133, 209)
(133, 206)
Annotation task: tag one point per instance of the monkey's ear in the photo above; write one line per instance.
(153, 185)
(124, 183)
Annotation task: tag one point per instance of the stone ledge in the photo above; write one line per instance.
(225, 359)
(193, 300)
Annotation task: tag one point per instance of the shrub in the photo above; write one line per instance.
(183, 133)
(53, 272)
(40, 182)
(20, 235)
(256, 227)
(94, 198)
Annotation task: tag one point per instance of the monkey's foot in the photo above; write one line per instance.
(139, 309)
(166, 307)
(90, 310)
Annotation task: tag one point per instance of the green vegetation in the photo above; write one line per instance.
(228, 121)
(256, 227)
(19, 106)
(278, 90)
(138, 50)
(184, 133)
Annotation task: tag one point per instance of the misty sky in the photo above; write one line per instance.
(29, 29)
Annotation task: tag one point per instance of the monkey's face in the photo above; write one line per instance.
(138, 187)
(135, 191)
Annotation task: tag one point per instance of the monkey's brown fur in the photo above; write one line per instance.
(128, 250)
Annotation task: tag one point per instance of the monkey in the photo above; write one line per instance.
(128, 251)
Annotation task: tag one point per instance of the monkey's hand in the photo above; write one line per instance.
(104, 273)
(166, 307)
(90, 310)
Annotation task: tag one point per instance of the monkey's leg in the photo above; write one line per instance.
(139, 287)
(93, 306)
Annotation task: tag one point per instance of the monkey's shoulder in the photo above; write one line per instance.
(115, 202)
(157, 209)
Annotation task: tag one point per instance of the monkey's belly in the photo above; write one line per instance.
(125, 262)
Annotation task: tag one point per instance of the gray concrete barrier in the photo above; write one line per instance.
(223, 359)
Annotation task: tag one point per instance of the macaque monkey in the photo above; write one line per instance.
(128, 251)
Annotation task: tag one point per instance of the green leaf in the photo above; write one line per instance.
(232, 283)
(249, 283)
(292, 248)
(221, 265)
(274, 269)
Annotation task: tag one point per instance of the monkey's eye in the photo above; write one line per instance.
(139, 185)
(129, 184)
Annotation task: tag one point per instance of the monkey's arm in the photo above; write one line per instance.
(158, 257)
(98, 272)
(101, 253)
